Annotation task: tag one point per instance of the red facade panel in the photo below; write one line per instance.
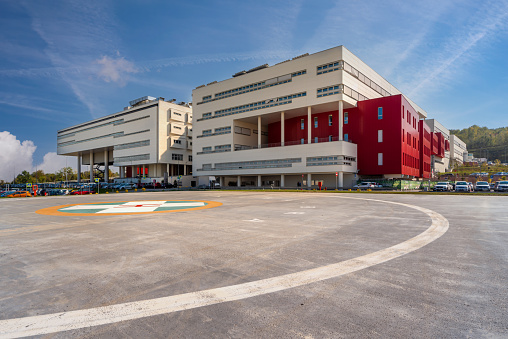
(425, 142)
(447, 145)
(434, 146)
(395, 134)
(440, 145)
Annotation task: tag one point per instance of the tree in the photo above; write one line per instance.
(23, 178)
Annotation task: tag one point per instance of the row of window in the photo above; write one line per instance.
(342, 65)
(253, 106)
(130, 158)
(253, 87)
(132, 145)
(218, 131)
(277, 163)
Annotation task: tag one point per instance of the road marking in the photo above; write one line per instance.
(294, 213)
(255, 220)
(307, 206)
(127, 207)
(65, 321)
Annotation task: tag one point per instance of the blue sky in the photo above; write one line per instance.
(65, 62)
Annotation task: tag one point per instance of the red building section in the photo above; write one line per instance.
(438, 145)
(386, 131)
(425, 142)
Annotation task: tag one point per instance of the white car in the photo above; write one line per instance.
(482, 186)
(365, 185)
(443, 186)
(462, 186)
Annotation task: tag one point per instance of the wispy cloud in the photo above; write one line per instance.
(76, 35)
(115, 69)
(459, 49)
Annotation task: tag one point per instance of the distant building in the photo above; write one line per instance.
(149, 140)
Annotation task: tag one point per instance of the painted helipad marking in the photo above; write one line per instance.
(57, 322)
(128, 207)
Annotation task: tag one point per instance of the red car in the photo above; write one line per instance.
(82, 192)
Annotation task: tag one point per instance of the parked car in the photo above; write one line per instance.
(365, 185)
(502, 186)
(462, 186)
(443, 186)
(19, 194)
(6, 193)
(81, 192)
(482, 186)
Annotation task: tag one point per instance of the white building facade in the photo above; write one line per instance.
(149, 140)
(232, 118)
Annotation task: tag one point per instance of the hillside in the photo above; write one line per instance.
(484, 142)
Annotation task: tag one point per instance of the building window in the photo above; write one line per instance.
(176, 141)
(176, 156)
(207, 131)
(330, 138)
(302, 141)
(190, 157)
(403, 111)
(380, 159)
(346, 137)
(380, 135)
(315, 140)
(302, 124)
(346, 118)
(315, 122)
(330, 120)
(380, 113)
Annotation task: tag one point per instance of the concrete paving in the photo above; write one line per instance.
(456, 286)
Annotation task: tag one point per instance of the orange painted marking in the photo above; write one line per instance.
(55, 209)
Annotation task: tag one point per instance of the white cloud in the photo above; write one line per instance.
(115, 70)
(15, 156)
(53, 162)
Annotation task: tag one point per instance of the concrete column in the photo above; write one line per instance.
(259, 181)
(341, 179)
(341, 120)
(133, 173)
(184, 169)
(239, 181)
(106, 166)
(309, 125)
(282, 184)
(91, 166)
(142, 174)
(309, 180)
(259, 131)
(167, 169)
(79, 168)
(221, 181)
(282, 125)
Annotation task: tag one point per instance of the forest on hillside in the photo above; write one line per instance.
(484, 142)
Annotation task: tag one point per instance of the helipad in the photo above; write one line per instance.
(128, 207)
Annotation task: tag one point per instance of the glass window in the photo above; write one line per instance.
(380, 159)
(380, 113)
(316, 140)
(302, 141)
(346, 118)
(380, 135)
(330, 138)
(315, 122)
(330, 120)
(346, 137)
(302, 123)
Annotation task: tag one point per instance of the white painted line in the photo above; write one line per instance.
(56, 322)
(307, 206)
(294, 213)
(254, 220)
(86, 207)
(183, 204)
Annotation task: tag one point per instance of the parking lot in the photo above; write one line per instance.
(246, 264)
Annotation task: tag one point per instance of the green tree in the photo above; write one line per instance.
(23, 178)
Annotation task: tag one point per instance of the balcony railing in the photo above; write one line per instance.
(289, 143)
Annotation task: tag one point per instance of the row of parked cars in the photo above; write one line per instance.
(465, 186)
